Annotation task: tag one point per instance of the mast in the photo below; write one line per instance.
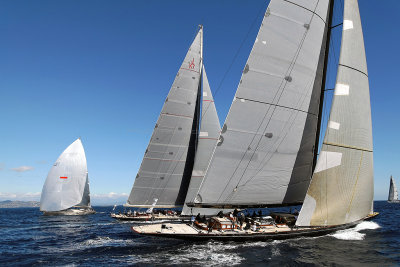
(164, 174)
(323, 87)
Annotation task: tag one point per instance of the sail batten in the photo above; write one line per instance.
(341, 190)
(168, 160)
(255, 160)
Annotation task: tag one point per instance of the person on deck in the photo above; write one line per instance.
(198, 218)
(260, 213)
(235, 213)
(220, 214)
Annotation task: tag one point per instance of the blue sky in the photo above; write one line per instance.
(100, 70)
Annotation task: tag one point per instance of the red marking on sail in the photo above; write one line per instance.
(63, 177)
(191, 64)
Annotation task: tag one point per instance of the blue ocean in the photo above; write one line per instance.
(29, 239)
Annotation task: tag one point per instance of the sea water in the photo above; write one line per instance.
(28, 238)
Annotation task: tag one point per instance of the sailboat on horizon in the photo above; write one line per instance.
(271, 160)
(393, 193)
(66, 189)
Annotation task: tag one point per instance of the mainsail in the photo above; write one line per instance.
(210, 129)
(168, 161)
(393, 194)
(266, 149)
(67, 182)
(341, 190)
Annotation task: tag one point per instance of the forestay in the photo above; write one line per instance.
(341, 190)
(210, 129)
(168, 161)
(261, 155)
(65, 183)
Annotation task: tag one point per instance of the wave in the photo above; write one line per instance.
(354, 233)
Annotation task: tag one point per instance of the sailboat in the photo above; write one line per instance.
(180, 147)
(393, 194)
(271, 160)
(66, 189)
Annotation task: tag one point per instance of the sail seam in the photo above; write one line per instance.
(261, 102)
(177, 115)
(306, 9)
(347, 146)
(190, 70)
(354, 69)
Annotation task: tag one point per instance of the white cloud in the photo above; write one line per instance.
(30, 196)
(22, 169)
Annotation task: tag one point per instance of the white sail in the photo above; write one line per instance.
(342, 187)
(266, 149)
(210, 129)
(393, 194)
(168, 161)
(65, 184)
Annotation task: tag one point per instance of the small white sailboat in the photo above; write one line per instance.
(393, 193)
(66, 190)
(270, 160)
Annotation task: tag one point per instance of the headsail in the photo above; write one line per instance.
(66, 181)
(262, 157)
(86, 194)
(168, 161)
(393, 194)
(210, 129)
(342, 187)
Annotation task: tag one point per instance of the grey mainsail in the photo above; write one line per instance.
(341, 189)
(261, 155)
(168, 161)
(210, 129)
(393, 194)
(66, 182)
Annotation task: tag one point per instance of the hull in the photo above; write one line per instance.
(394, 201)
(189, 232)
(70, 212)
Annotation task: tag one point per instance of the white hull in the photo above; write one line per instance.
(71, 212)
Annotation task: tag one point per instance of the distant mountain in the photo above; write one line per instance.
(19, 204)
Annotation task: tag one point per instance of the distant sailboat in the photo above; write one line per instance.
(267, 150)
(393, 193)
(66, 190)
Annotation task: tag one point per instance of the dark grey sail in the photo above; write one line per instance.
(342, 186)
(262, 157)
(393, 194)
(164, 174)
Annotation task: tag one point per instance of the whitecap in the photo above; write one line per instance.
(354, 233)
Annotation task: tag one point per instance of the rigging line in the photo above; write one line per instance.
(277, 95)
(237, 53)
